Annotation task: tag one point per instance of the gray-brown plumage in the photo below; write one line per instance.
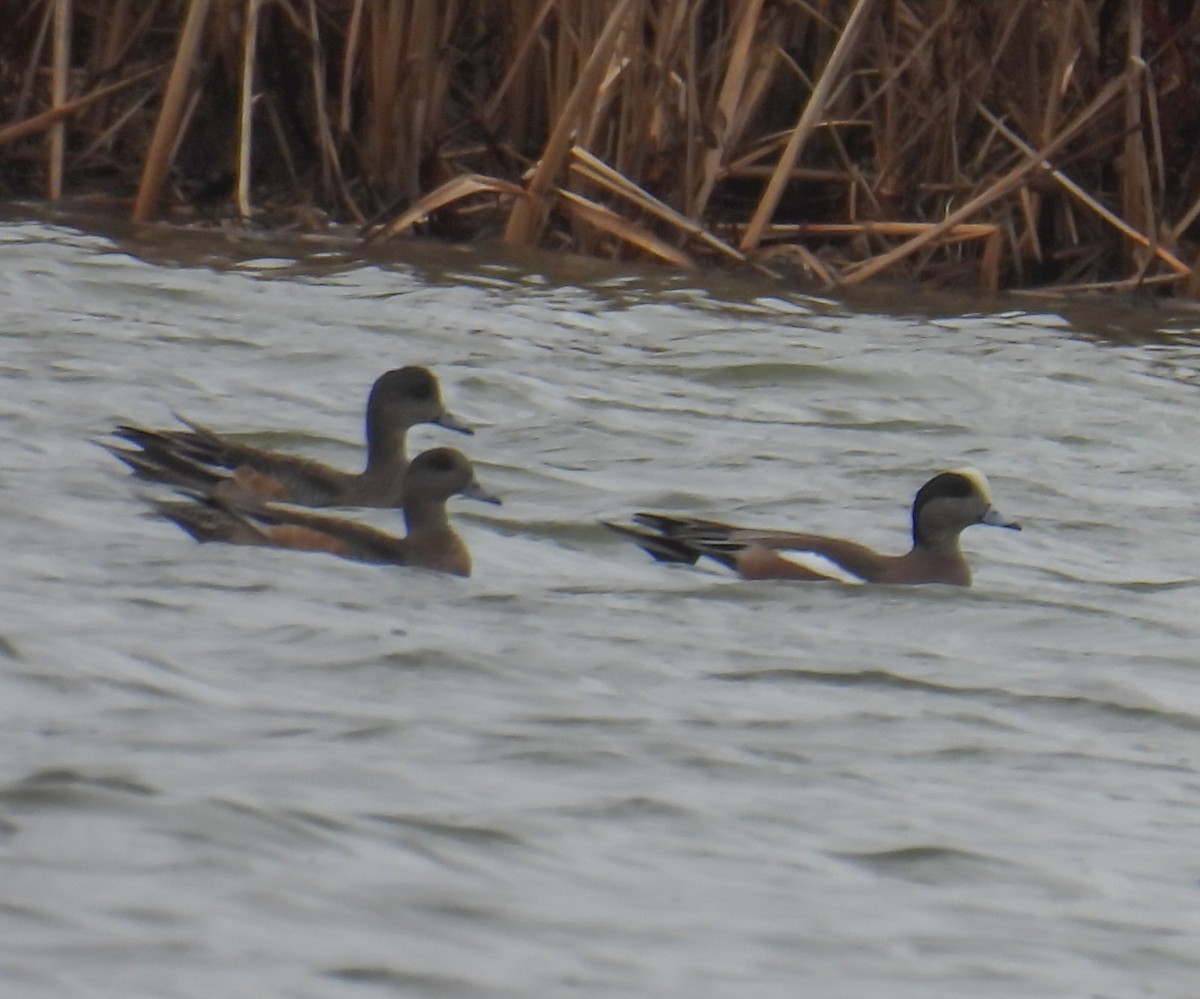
(943, 507)
(430, 542)
(399, 400)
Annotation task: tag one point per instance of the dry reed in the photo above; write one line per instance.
(1021, 144)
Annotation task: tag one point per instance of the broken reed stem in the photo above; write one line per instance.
(1086, 199)
(166, 130)
(609, 221)
(528, 213)
(731, 94)
(814, 110)
(1010, 181)
(454, 190)
(690, 120)
(42, 122)
(962, 232)
(603, 175)
(1122, 286)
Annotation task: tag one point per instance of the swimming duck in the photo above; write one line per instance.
(399, 399)
(943, 507)
(430, 542)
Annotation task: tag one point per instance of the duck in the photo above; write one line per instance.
(430, 542)
(943, 508)
(399, 399)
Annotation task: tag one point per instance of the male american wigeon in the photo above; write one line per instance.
(943, 507)
(430, 543)
(399, 399)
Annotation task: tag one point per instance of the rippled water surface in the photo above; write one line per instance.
(238, 772)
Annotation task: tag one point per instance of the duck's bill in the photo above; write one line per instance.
(452, 422)
(476, 492)
(995, 518)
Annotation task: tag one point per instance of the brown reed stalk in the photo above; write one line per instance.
(406, 88)
(59, 83)
(333, 181)
(996, 190)
(604, 176)
(1136, 189)
(26, 86)
(1127, 230)
(1185, 221)
(117, 33)
(661, 128)
(386, 42)
(732, 85)
(246, 107)
(931, 68)
(167, 128)
(814, 110)
(528, 213)
(42, 122)
(512, 88)
(608, 221)
(418, 59)
(454, 190)
(354, 34)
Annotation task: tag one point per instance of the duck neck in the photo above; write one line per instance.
(386, 452)
(423, 516)
(942, 544)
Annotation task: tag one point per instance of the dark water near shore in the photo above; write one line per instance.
(232, 772)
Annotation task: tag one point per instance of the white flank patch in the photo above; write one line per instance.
(821, 564)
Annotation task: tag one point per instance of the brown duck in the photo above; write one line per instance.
(430, 542)
(399, 399)
(946, 505)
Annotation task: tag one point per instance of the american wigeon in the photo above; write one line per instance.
(943, 507)
(430, 543)
(399, 399)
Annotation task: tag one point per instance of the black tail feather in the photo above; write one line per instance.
(680, 539)
(658, 547)
(161, 464)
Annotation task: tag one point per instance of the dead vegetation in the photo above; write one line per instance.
(1032, 143)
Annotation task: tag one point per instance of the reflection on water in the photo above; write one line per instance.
(242, 772)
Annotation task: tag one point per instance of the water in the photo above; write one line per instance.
(246, 773)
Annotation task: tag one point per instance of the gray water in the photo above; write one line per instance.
(237, 772)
